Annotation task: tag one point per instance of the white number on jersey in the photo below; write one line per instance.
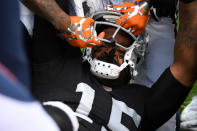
(118, 107)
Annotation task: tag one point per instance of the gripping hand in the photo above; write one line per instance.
(80, 32)
(136, 15)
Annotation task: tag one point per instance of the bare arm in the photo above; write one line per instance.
(184, 67)
(51, 11)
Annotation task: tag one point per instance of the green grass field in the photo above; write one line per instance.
(192, 93)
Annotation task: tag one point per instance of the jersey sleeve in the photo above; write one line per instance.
(163, 100)
(63, 115)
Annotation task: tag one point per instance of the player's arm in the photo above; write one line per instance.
(51, 11)
(184, 68)
(168, 93)
(63, 115)
(70, 26)
(163, 8)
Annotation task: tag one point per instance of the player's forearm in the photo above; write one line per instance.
(49, 10)
(184, 67)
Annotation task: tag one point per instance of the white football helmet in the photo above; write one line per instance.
(134, 53)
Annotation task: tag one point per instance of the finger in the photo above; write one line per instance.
(120, 21)
(75, 19)
(127, 26)
(101, 35)
(94, 41)
(87, 23)
(116, 10)
(89, 19)
(129, 23)
(137, 32)
(83, 45)
(79, 43)
(127, 10)
(90, 45)
(125, 4)
(123, 8)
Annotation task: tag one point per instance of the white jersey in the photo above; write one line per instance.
(18, 115)
(19, 111)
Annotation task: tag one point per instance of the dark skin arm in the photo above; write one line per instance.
(184, 68)
(169, 96)
(51, 11)
(64, 23)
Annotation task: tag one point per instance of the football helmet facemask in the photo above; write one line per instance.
(134, 54)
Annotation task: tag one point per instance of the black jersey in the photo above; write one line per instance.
(60, 75)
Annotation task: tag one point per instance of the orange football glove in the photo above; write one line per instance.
(80, 34)
(136, 15)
